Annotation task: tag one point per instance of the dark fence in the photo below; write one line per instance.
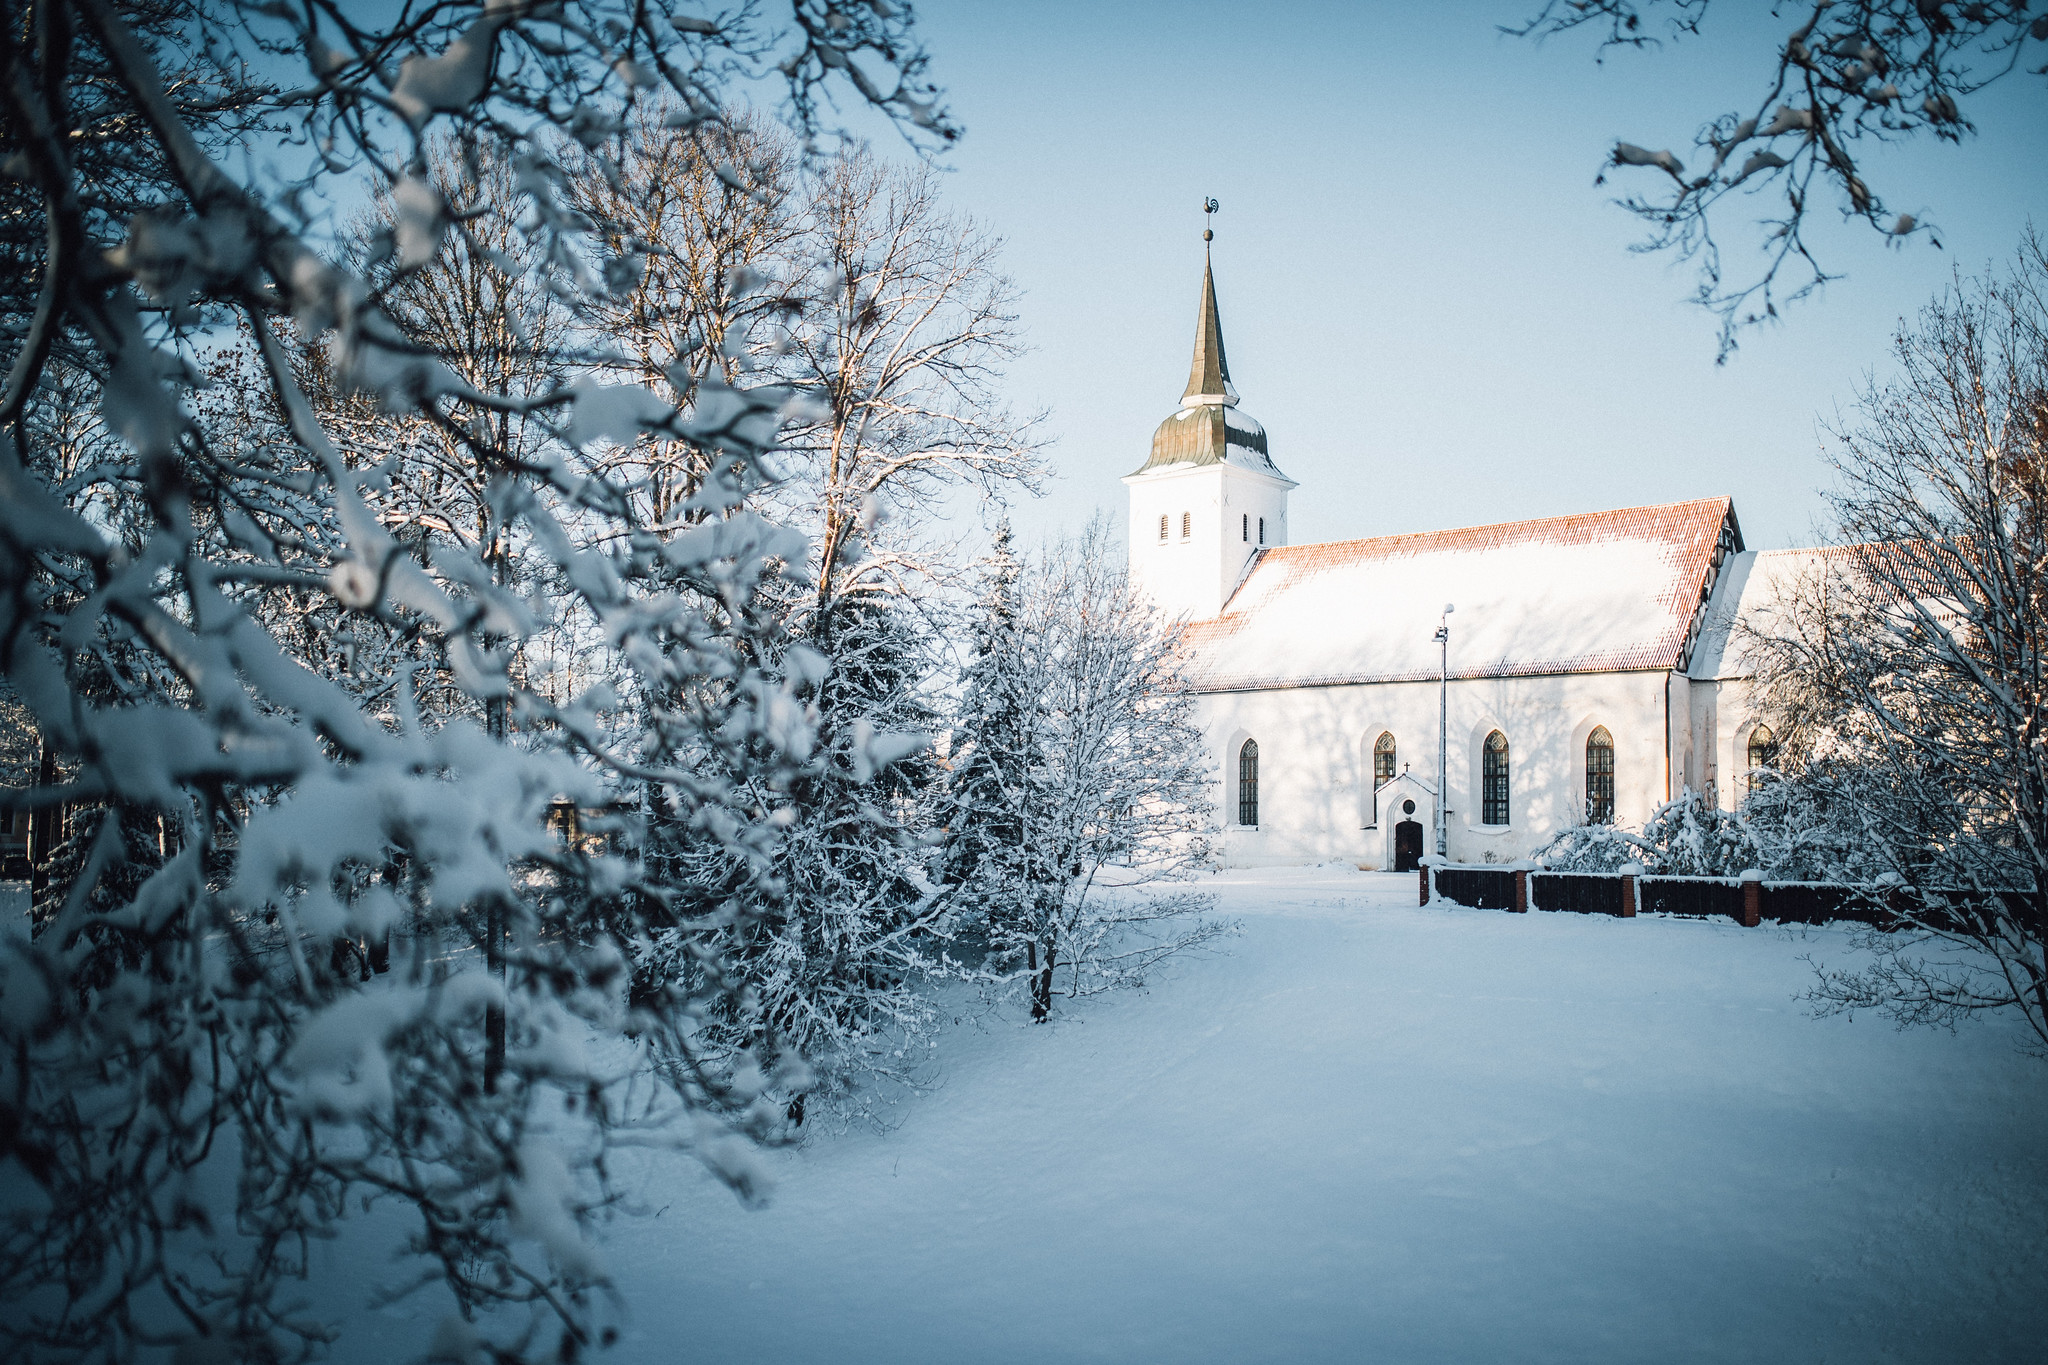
(1693, 897)
(1482, 888)
(1607, 893)
(1958, 910)
(1822, 902)
(1584, 893)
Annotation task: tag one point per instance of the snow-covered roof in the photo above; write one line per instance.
(1754, 581)
(1595, 592)
(1760, 581)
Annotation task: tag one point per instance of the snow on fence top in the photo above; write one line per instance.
(1595, 592)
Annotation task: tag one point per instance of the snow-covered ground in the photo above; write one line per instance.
(1367, 1131)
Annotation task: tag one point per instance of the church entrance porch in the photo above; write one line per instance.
(1404, 812)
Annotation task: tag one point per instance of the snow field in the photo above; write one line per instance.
(1367, 1131)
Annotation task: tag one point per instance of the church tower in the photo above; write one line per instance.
(1210, 497)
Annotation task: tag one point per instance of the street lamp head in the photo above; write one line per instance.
(1448, 608)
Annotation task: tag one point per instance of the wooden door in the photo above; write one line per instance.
(1407, 846)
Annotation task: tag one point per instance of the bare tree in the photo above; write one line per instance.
(1907, 677)
(1848, 75)
(905, 347)
(705, 215)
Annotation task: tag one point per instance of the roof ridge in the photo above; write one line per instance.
(1723, 502)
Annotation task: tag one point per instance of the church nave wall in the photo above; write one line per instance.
(1315, 761)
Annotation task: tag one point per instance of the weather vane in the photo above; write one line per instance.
(1209, 206)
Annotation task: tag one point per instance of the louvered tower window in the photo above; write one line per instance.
(1383, 759)
(1162, 525)
(1262, 530)
(1599, 777)
(1187, 525)
(1248, 783)
(1493, 781)
(1245, 534)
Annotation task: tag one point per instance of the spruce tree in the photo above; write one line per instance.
(994, 758)
(1076, 750)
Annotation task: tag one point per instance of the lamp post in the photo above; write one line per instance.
(1443, 731)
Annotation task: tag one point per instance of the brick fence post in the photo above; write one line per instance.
(1521, 906)
(1752, 898)
(1629, 873)
(1425, 883)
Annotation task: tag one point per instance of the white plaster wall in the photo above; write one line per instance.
(1193, 576)
(1315, 759)
(1708, 766)
(1735, 714)
(1683, 765)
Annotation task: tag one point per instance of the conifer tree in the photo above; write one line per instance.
(826, 939)
(997, 758)
(1080, 781)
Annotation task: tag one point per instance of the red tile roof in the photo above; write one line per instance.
(1592, 592)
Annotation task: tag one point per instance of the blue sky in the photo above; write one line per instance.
(1426, 301)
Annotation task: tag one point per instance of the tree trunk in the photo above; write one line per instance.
(494, 939)
(494, 1013)
(1041, 984)
(45, 829)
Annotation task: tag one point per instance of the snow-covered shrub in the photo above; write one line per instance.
(1795, 825)
(830, 943)
(1594, 848)
(1811, 823)
(1682, 838)
(289, 650)
(1690, 838)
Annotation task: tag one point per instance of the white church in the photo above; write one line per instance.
(1590, 669)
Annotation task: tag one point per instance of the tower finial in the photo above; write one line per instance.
(1209, 206)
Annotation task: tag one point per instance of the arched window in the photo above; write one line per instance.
(1383, 759)
(1245, 532)
(1763, 752)
(1162, 525)
(1493, 783)
(1248, 783)
(1599, 777)
(1187, 525)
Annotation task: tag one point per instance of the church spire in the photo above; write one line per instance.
(1209, 378)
